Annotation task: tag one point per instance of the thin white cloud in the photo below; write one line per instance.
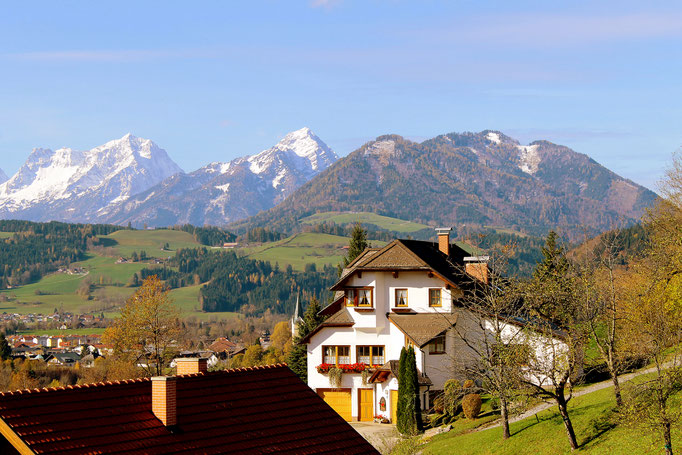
(125, 55)
(327, 4)
(547, 30)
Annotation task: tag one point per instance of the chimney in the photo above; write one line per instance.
(444, 240)
(190, 365)
(477, 267)
(164, 405)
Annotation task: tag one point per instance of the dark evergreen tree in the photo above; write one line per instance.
(409, 404)
(5, 349)
(297, 359)
(357, 244)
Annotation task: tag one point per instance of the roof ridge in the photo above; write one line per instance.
(91, 385)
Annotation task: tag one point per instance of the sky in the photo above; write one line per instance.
(211, 81)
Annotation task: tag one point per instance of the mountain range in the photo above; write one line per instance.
(224, 192)
(71, 185)
(473, 179)
(3, 176)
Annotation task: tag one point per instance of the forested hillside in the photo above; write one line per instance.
(242, 285)
(29, 250)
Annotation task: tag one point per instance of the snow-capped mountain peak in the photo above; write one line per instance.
(222, 192)
(82, 181)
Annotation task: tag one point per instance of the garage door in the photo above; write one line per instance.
(339, 400)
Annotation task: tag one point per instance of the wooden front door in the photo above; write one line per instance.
(339, 400)
(394, 406)
(366, 405)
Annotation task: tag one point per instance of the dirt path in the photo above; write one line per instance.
(549, 404)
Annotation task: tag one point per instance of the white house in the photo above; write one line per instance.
(404, 293)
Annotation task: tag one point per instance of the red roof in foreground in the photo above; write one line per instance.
(261, 410)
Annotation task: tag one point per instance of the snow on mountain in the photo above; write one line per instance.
(71, 185)
(529, 159)
(219, 193)
(3, 176)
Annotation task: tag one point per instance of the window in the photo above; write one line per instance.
(361, 297)
(336, 355)
(350, 297)
(370, 355)
(408, 343)
(364, 297)
(401, 297)
(435, 297)
(437, 345)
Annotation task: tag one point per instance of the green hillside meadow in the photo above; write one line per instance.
(597, 428)
(384, 222)
(59, 290)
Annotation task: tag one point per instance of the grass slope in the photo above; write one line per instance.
(385, 222)
(127, 241)
(300, 249)
(58, 290)
(546, 435)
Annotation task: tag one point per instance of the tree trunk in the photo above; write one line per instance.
(505, 418)
(668, 439)
(616, 389)
(563, 410)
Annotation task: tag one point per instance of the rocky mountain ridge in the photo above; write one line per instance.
(473, 179)
(219, 193)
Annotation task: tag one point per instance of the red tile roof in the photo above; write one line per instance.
(263, 410)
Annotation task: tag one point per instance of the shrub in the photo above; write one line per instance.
(452, 396)
(468, 384)
(471, 405)
(438, 405)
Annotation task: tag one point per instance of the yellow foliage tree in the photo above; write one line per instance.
(147, 331)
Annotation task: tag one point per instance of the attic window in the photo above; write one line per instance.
(435, 298)
(401, 297)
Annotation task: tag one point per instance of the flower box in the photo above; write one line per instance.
(324, 368)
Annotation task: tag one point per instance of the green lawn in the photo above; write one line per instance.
(385, 222)
(546, 434)
(127, 241)
(6, 235)
(301, 249)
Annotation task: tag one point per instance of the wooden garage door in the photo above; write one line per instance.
(366, 404)
(394, 406)
(339, 400)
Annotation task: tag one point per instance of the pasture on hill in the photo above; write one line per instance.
(301, 249)
(124, 242)
(384, 222)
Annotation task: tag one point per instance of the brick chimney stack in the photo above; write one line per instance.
(164, 402)
(477, 267)
(444, 240)
(191, 365)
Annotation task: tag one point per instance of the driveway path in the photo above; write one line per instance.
(548, 404)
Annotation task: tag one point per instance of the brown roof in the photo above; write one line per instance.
(222, 344)
(422, 327)
(393, 367)
(413, 255)
(252, 411)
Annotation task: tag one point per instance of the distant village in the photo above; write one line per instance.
(83, 350)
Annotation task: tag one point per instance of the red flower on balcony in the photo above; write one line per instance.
(324, 368)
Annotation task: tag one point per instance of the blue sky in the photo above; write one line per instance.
(210, 81)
